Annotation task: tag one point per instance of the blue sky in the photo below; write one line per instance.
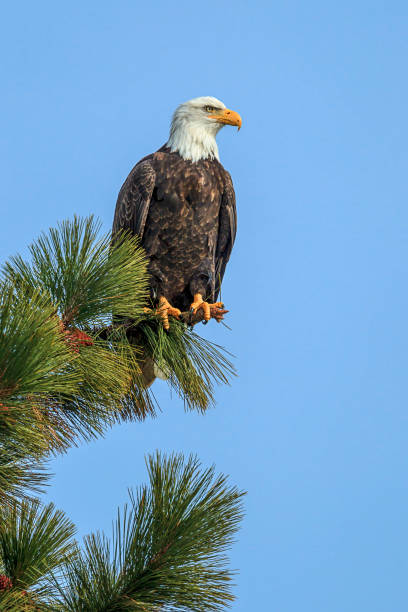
(316, 426)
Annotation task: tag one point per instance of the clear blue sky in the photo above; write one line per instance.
(316, 425)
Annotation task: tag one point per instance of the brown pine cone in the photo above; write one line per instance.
(5, 583)
(75, 337)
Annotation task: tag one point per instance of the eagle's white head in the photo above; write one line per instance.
(195, 125)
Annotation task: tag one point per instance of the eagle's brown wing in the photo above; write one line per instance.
(133, 202)
(227, 230)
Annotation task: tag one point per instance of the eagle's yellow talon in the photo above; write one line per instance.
(165, 310)
(209, 310)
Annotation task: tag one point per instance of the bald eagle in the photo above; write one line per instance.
(180, 201)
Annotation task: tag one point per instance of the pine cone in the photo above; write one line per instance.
(5, 582)
(75, 337)
(81, 338)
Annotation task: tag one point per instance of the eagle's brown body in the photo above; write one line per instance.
(184, 213)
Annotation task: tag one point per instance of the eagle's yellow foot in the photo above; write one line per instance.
(214, 311)
(165, 310)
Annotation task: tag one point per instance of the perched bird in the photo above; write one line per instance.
(180, 201)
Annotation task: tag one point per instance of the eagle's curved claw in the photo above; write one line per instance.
(218, 314)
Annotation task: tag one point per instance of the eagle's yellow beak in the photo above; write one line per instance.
(227, 116)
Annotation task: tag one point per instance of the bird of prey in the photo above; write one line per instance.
(180, 201)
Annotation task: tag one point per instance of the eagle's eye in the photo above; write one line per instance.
(209, 109)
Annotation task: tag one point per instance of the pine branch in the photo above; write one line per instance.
(168, 546)
(34, 541)
(58, 385)
(86, 278)
(190, 364)
(19, 475)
